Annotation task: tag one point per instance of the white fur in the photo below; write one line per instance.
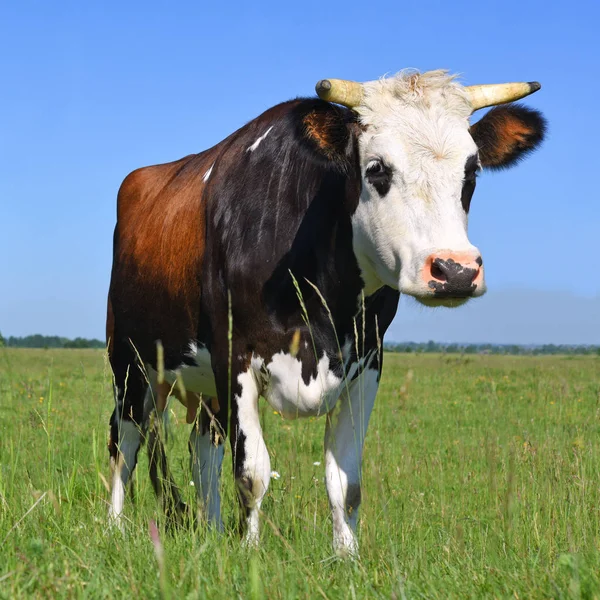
(257, 465)
(256, 144)
(200, 378)
(128, 446)
(344, 440)
(287, 392)
(207, 174)
(418, 125)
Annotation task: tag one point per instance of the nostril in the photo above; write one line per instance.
(437, 270)
(455, 276)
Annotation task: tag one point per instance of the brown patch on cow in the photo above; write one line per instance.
(162, 392)
(506, 134)
(511, 133)
(516, 130)
(318, 132)
(161, 224)
(193, 402)
(158, 255)
(327, 129)
(190, 400)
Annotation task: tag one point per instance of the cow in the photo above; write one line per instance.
(272, 264)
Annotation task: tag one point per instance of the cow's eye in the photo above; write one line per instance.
(379, 176)
(374, 167)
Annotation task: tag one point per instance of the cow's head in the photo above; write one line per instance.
(419, 159)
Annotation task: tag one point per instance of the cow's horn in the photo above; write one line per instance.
(340, 91)
(499, 93)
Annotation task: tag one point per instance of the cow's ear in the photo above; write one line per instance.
(507, 134)
(326, 127)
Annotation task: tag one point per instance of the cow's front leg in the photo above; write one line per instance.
(251, 463)
(344, 438)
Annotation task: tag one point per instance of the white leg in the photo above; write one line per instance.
(207, 449)
(344, 438)
(128, 446)
(251, 459)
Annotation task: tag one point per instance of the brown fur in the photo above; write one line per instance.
(157, 233)
(327, 130)
(159, 248)
(506, 134)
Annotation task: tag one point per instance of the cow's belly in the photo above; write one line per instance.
(280, 383)
(199, 378)
(287, 392)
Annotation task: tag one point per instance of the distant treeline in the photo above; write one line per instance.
(49, 341)
(491, 348)
(55, 341)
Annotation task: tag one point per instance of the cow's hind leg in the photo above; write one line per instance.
(206, 458)
(164, 486)
(126, 430)
(344, 438)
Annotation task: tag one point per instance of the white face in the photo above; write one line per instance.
(410, 227)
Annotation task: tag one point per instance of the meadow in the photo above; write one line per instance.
(481, 480)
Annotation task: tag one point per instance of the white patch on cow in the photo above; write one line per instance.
(193, 349)
(344, 440)
(288, 394)
(257, 465)
(199, 378)
(206, 472)
(128, 446)
(207, 174)
(256, 144)
(418, 126)
(256, 363)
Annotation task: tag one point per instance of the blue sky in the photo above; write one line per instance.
(93, 90)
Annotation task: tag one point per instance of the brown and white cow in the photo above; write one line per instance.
(271, 265)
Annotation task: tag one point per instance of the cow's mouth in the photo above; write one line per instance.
(433, 301)
(447, 296)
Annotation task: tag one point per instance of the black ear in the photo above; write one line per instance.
(507, 134)
(327, 130)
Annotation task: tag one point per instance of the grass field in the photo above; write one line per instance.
(481, 479)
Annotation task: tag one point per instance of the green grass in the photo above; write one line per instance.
(481, 479)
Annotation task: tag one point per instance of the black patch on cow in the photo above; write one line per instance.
(379, 175)
(452, 279)
(469, 182)
(507, 134)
